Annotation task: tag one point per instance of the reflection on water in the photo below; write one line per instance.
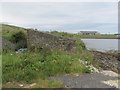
(102, 44)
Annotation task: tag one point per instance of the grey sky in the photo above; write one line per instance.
(68, 17)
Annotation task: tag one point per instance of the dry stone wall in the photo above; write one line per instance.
(40, 40)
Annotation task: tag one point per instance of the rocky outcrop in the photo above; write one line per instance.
(6, 43)
(107, 61)
(40, 40)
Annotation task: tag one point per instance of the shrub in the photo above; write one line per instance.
(19, 38)
(80, 45)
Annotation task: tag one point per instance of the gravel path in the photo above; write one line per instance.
(106, 79)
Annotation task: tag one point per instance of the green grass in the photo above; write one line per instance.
(39, 83)
(15, 34)
(38, 65)
(9, 30)
(48, 84)
(99, 36)
(29, 66)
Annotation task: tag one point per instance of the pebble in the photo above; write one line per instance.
(113, 83)
(76, 74)
(109, 73)
(66, 86)
(21, 85)
(33, 84)
(9, 82)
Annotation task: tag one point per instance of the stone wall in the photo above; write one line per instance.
(6, 43)
(40, 40)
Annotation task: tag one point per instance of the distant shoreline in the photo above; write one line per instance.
(100, 38)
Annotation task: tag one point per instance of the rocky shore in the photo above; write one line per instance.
(107, 61)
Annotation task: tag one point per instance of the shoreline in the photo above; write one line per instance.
(107, 61)
(100, 38)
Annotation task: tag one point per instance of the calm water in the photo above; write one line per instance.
(102, 44)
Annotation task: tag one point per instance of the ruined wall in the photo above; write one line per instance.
(7, 43)
(39, 39)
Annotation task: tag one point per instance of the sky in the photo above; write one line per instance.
(66, 17)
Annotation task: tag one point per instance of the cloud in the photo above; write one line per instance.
(66, 16)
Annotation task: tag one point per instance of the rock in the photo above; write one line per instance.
(113, 83)
(106, 61)
(36, 39)
(66, 86)
(109, 73)
(76, 74)
(21, 85)
(8, 44)
(21, 50)
(33, 84)
(8, 82)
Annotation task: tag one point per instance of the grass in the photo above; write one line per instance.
(48, 84)
(37, 66)
(40, 83)
(97, 36)
(29, 66)
(15, 34)
(9, 30)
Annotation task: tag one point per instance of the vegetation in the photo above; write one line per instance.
(97, 36)
(29, 66)
(9, 30)
(36, 66)
(19, 38)
(40, 83)
(15, 34)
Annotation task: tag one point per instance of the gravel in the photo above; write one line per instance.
(95, 80)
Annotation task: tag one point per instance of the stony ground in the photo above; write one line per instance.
(104, 79)
(107, 61)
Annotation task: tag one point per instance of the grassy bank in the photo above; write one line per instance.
(97, 36)
(9, 30)
(16, 35)
(38, 65)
